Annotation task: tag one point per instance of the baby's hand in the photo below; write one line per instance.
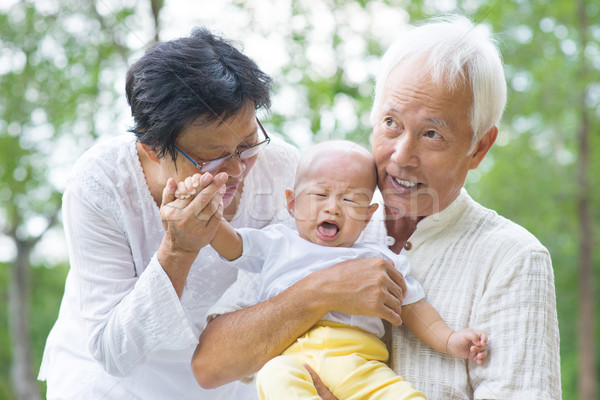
(468, 343)
(188, 187)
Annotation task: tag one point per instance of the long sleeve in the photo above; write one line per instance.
(518, 310)
(126, 316)
(121, 329)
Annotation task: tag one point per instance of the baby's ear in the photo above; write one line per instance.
(372, 208)
(291, 201)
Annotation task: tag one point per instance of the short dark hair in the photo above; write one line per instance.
(201, 76)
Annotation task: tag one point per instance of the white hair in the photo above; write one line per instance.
(457, 51)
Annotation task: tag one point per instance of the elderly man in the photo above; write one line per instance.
(439, 97)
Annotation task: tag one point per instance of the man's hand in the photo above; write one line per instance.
(322, 390)
(239, 343)
(366, 286)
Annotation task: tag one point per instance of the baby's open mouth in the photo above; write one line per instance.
(327, 230)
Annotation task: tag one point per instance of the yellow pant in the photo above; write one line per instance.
(349, 361)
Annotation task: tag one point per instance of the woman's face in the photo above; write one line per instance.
(205, 142)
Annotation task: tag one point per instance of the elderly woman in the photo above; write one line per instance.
(438, 100)
(142, 277)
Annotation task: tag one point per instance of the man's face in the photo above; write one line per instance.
(421, 139)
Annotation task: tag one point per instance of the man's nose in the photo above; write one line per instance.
(406, 150)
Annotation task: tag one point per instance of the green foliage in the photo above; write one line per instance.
(58, 69)
(533, 179)
(53, 64)
(50, 87)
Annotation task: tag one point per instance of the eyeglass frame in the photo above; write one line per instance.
(223, 159)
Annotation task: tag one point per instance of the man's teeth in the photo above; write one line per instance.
(407, 184)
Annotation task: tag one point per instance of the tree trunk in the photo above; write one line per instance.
(588, 386)
(23, 379)
(156, 5)
(587, 345)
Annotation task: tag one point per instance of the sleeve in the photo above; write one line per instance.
(518, 312)
(414, 290)
(125, 316)
(242, 294)
(253, 255)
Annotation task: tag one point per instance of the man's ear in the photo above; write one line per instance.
(150, 152)
(291, 201)
(483, 146)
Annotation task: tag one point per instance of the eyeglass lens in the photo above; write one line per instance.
(243, 155)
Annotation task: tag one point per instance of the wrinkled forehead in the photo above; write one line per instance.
(416, 71)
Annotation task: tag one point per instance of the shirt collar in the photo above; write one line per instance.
(435, 223)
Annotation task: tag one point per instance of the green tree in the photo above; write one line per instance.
(551, 54)
(538, 172)
(59, 64)
(54, 62)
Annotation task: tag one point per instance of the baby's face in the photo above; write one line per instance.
(332, 202)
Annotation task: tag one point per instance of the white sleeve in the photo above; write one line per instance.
(414, 290)
(518, 311)
(242, 294)
(254, 244)
(124, 315)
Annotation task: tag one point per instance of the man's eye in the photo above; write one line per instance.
(389, 122)
(432, 134)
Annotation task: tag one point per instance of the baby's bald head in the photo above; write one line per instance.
(335, 156)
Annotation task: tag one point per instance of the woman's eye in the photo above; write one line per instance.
(243, 147)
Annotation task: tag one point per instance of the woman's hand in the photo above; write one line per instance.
(190, 223)
(188, 187)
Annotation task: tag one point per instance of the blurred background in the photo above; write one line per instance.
(62, 73)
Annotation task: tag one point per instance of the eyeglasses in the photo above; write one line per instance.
(211, 165)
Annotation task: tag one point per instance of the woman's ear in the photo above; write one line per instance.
(150, 152)
(291, 201)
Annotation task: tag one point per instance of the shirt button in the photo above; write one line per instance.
(407, 246)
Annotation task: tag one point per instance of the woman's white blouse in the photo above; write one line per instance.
(122, 331)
